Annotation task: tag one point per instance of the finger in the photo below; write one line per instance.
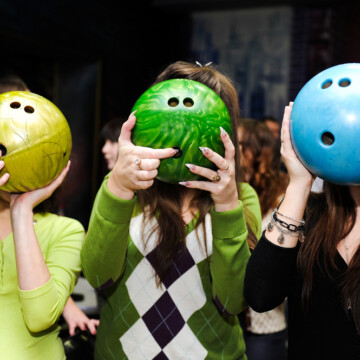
(199, 170)
(125, 134)
(214, 157)
(150, 153)
(143, 175)
(92, 326)
(285, 130)
(149, 164)
(72, 330)
(228, 145)
(202, 185)
(58, 181)
(144, 184)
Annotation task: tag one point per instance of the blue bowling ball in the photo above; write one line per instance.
(325, 124)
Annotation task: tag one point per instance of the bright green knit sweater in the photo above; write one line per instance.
(29, 329)
(192, 315)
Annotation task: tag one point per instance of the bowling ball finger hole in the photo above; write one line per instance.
(344, 82)
(15, 105)
(188, 102)
(29, 109)
(326, 84)
(178, 154)
(173, 102)
(327, 138)
(3, 150)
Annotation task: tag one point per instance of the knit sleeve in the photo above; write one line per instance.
(42, 307)
(269, 274)
(104, 250)
(229, 258)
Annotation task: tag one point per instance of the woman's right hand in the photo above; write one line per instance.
(298, 173)
(136, 166)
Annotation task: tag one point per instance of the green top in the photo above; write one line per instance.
(192, 314)
(28, 319)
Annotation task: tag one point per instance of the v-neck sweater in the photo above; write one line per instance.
(193, 313)
(325, 330)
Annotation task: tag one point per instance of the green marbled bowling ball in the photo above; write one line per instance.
(183, 114)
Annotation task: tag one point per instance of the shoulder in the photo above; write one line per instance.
(58, 222)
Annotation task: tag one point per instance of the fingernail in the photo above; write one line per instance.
(174, 151)
(190, 166)
(132, 113)
(222, 131)
(184, 183)
(205, 150)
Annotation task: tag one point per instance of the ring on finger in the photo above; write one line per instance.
(216, 178)
(138, 163)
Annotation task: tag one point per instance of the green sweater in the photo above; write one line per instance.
(28, 319)
(192, 314)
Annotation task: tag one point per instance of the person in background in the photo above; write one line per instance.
(73, 315)
(310, 253)
(265, 334)
(171, 258)
(109, 136)
(273, 124)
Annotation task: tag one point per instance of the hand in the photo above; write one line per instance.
(5, 177)
(223, 188)
(136, 166)
(30, 199)
(296, 170)
(75, 318)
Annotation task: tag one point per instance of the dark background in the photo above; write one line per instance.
(93, 59)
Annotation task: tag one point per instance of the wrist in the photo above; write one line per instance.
(226, 207)
(118, 190)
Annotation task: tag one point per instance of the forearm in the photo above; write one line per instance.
(293, 207)
(229, 259)
(30, 263)
(104, 250)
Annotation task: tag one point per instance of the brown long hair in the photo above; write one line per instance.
(163, 200)
(263, 168)
(324, 212)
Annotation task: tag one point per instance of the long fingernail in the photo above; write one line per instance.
(190, 166)
(175, 151)
(222, 131)
(132, 113)
(184, 183)
(204, 150)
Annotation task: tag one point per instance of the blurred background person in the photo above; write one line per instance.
(265, 334)
(109, 135)
(273, 124)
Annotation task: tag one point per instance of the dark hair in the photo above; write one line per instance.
(12, 83)
(265, 174)
(111, 130)
(324, 212)
(164, 200)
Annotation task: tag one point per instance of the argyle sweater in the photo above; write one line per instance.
(192, 314)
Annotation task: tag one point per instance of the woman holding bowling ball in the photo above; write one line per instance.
(40, 262)
(309, 253)
(171, 257)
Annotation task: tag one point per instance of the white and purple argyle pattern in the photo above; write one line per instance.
(162, 332)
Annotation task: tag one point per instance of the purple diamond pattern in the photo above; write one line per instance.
(164, 320)
(161, 356)
(181, 265)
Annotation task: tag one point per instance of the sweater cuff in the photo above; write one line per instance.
(38, 292)
(113, 209)
(228, 224)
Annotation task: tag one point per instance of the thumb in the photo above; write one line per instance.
(125, 134)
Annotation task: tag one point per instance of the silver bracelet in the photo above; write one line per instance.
(283, 232)
(290, 218)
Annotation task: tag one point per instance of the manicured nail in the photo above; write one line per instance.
(190, 166)
(204, 150)
(222, 131)
(184, 183)
(132, 113)
(175, 151)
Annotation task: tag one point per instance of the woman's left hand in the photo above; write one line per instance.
(32, 198)
(222, 187)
